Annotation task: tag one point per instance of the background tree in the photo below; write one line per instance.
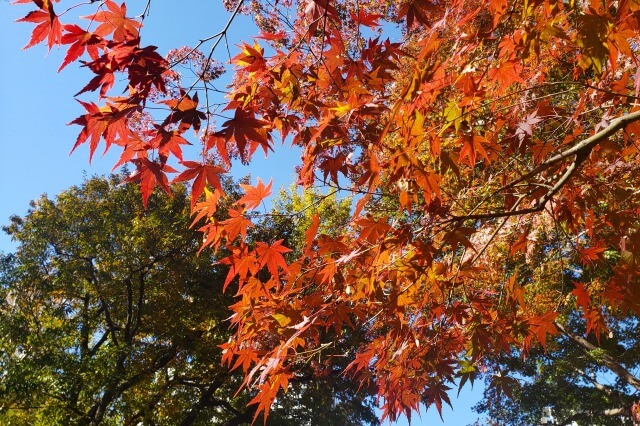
(483, 122)
(583, 375)
(573, 380)
(105, 318)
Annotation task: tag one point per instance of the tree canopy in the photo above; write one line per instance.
(105, 318)
(476, 138)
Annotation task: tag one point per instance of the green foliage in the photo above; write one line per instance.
(107, 318)
(293, 213)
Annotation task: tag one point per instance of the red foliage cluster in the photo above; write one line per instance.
(491, 131)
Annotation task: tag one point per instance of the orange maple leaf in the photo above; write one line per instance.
(114, 20)
(271, 256)
(254, 195)
(80, 40)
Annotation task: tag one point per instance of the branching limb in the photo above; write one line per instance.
(610, 362)
(581, 149)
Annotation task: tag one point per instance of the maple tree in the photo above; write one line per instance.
(106, 319)
(461, 128)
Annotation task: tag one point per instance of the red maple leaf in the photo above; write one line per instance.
(149, 174)
(473, 145)
(201, 175)
(250, 58)
(108, 121)
(416, 10)
(437, 394)
(367, 19)
(241, 263)
(583, 299)
(245, 128)
(145, 67)
(185, 111)
(206, 208)
(168, 143)
(79, 40)
(48, 26)
(317, 10)
(541, 325)
(237, 224)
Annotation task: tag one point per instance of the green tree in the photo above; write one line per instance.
(105, 318)
(293, 213)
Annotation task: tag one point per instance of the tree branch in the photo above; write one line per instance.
(581, 151)
(581, 147)
(613, 365)
(596, 384)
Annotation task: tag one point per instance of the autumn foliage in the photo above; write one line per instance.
(475, 136)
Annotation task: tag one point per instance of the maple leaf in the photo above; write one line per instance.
(114, 20)
(468, 373)
(520, 245)
(206, 208)
(80, 40)
(592, 39)
(416, 11)
(213, 235)
(583, 298)
(503, 383)
(367, 19)
(271, 256)
(373, 229)
(525, 128)
(267, 393)
(167, 143)
(279, 36)
(542, 325)
(332, 165)
(244, 357)
(315, 11)
(241, 264)
(185, 111)
(108, 122)
(146, 69)
(237, 224)
(254, 195)
(250, 58)
(48, 27)
(592, 253)
(437, 394)
(149, 174)
(201, 174)
(221, 144)
(244, 128)
(311, 232)
(507, 73)
(473, 145)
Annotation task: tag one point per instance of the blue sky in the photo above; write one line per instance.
(36, 103)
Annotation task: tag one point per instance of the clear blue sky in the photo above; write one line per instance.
(36, 103)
